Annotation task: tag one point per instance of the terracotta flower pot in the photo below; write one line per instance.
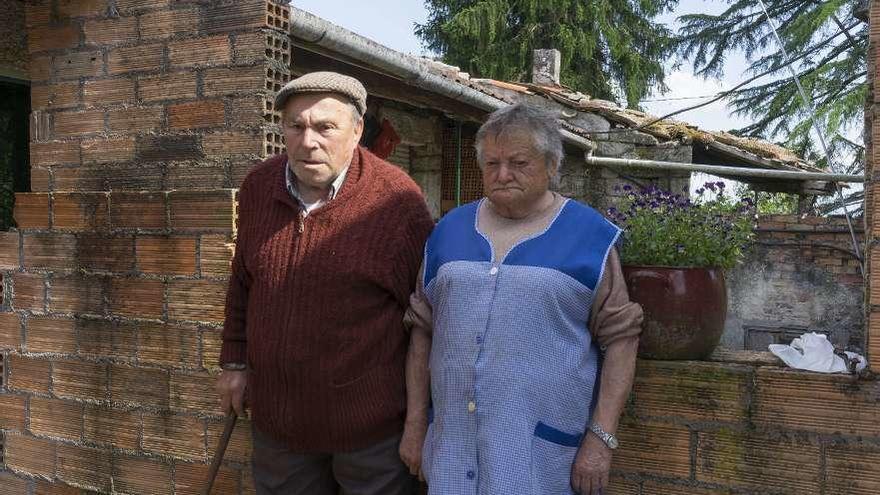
(685, 309)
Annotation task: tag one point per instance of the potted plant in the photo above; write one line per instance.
(674, 253)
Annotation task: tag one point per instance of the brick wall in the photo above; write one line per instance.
(872, 111)
(746, 428)
(800, 275)
(147, 114)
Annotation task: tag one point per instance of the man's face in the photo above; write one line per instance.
(321, 134)
(515, 173)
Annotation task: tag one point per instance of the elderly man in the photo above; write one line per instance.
(328, 247)
(531, 332)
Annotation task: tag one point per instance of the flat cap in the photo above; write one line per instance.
(325, 82)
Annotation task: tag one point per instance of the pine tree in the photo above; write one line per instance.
(827, 43)
(611, 49)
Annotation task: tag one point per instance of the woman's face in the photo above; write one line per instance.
(515, 172)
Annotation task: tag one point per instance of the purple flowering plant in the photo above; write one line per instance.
(662, 228)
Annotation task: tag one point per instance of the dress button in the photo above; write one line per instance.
(472, 406)
(471, 474)
(493, 270)
(479, 339)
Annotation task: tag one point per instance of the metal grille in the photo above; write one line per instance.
(471, 178)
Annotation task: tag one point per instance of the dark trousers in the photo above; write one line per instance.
(375, 470)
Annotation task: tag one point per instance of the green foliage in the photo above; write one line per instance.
(666, 229)
(827, 47)
(770, 203)
(609, 47)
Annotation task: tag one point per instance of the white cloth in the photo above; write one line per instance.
(813, 352)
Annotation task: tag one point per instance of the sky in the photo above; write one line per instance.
(391, 23)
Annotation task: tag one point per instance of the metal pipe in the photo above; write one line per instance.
(722, 170)
(313, 30)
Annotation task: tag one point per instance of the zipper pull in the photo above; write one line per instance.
(302, 221)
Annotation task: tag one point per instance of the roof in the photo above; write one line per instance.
(726, 147)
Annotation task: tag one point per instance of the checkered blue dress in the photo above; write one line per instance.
(513, 366)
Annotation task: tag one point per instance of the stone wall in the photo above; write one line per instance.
(800, 275)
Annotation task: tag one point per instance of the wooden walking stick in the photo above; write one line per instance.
(221, 449)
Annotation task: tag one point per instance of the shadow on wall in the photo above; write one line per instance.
(772, 301)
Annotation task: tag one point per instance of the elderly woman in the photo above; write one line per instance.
(532, 338)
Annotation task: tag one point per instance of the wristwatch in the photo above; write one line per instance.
(609, 439)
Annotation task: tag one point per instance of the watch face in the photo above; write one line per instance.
(612, 442)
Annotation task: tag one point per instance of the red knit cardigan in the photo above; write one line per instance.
(315, 305)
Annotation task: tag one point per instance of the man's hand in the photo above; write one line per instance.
(589, 473)
(231, 386)
(411, 443)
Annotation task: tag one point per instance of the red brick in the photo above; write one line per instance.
(82, 8)
(10, 332)
(40, 179)
(128, 6)
(175, 436)
(852, 470)
(167, 23)
(28, 374)
(111, 31)
(137, 297)
(54, 488)
(56, 418)
(77, 294)
(53, 37)
(756, 462)
(658, 488)
(135, 58)
(250, 47)
(201, 210)
(84, 467)
(136, 475)
(79, 211)
(9, 255)
(139, 386)
(224, 81)
(79, 179)
(653, 448)
(213, 50)
(31, 210)
(166, 255)
(121, 429)
(196, 300)
(102, 253)
(49, 251)
(137, 210)
(79, 380)
(103, 338)
(28, 292)
(61, 95)
(54, 153)
(189, 479)
(37, 13)
(215, 255)
(32, 455)
(70, 65)
(11, 484)
(167, 86)
(12, 412)
(78, 123)
(107, 150)
(108, 91)
(190, 176)
(135, 119)
(195, 114)
(212, 340)
(195, 392)
(55, 335)
(40, 68)
(239, 448)
(169, 345)
(220, 144)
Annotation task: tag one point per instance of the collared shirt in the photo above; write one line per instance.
(295, 194)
